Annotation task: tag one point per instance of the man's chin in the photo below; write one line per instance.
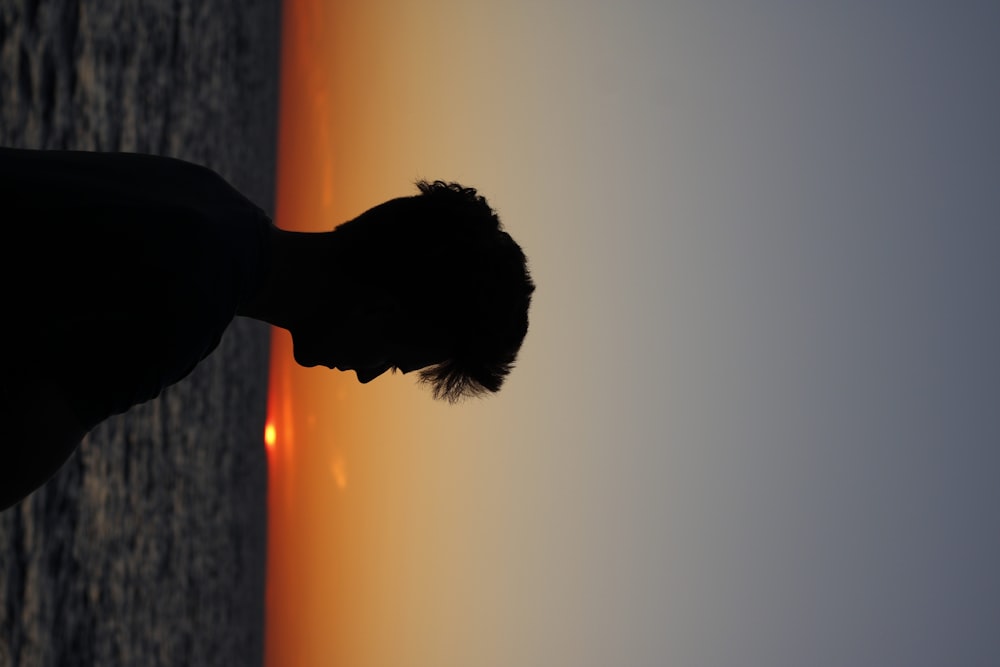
(366, 375)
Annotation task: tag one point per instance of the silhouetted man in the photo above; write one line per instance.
(123, 271)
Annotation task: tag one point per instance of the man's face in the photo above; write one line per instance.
(369, 346)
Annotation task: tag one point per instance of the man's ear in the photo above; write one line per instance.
(376, 312)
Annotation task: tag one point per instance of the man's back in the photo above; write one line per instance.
(128, 269)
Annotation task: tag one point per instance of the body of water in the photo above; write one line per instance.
(148, 547)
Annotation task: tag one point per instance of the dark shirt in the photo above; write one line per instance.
(122, 270)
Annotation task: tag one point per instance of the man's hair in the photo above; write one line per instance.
(444, 255)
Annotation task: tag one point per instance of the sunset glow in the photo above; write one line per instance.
(751, 423)
(363, 480)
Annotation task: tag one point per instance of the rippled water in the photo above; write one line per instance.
(148, 547)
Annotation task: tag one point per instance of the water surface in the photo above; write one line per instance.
(148, 547)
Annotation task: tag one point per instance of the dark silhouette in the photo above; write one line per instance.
(122, 271)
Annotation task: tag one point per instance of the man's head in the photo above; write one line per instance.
(435, 284)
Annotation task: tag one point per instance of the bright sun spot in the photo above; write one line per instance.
(270, 435)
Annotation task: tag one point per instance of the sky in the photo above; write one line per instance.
(756, 419)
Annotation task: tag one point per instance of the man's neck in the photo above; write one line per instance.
(298, 269)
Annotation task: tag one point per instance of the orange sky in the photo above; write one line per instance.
(365, 563)
(386, 509)
(297, 582)
(326, 476)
